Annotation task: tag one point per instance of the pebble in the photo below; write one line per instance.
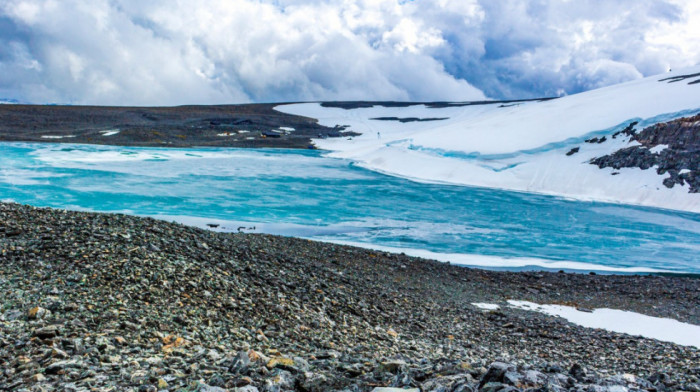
(38, 313)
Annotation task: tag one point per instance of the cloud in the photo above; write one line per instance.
(544, 48)
(128, 52)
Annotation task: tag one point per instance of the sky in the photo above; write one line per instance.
(173, 52)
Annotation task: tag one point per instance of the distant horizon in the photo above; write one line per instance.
(125, 53)
(13, 101)
(6, 101)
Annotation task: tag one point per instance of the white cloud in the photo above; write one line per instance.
(539, 47)
(409, 36)
(227, 51)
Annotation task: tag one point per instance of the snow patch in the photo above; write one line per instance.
(57, 136)
(521, 147)
(232, 133)
(110, 132)
(622, 321)
(485, 306)
(658, 148)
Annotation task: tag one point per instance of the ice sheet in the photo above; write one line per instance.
(522, 146)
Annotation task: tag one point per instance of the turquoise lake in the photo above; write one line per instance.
(303, 193)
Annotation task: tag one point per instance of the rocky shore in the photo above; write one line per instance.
(103, 302)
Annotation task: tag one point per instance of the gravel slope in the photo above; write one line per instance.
(113, 302)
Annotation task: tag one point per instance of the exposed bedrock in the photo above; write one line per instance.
(680, 159)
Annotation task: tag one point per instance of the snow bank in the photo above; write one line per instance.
(631, 323)
(57, 136)
(520, 146)
(485, 306)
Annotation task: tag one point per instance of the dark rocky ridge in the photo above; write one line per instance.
(409, 119)
(182, 126)
(680, 78)
(113, 302)
(682, 136)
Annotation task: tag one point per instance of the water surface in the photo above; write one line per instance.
(302, 193)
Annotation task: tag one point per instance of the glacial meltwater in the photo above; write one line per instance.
(303, 193)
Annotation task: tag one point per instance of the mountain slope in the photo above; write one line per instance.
(535, 146)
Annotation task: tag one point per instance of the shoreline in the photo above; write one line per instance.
(563, 196)
(127, 288)
(329, 154)
(479, 260)
(47, 157)
(467, 260)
